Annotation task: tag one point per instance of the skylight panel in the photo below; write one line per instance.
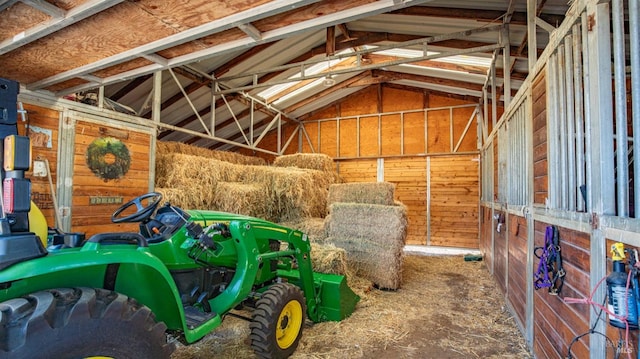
(309, 71)
(463, 60)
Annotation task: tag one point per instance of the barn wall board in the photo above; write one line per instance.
(42, 128)
(61, 132)
(410, 177)
(90, 190)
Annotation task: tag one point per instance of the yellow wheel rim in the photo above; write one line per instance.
(289, 324)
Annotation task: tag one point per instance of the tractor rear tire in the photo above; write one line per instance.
(80, 323)
(276, 326)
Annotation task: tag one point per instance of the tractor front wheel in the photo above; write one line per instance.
(276, 326)
(80, 323)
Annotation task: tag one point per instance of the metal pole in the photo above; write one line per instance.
(579, 117)
(570, 122)
(532, 47)
(562, 121)
(552, 152)
(587, 111)
(634, 40)
(622, 147)
(601, 150)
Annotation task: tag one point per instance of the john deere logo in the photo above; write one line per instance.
(108, 158)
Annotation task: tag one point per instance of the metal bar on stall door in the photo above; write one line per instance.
(587, 110)
(552, 119)
(562, 119)
(620, 93)
(578, 114)
(634, 40)
(571, 133)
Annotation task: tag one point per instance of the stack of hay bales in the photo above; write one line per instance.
(322, 168)
(167, 147)
(371, 227)
(273, 193)
(292, 192)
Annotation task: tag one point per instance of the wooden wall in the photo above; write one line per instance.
(92, 218)
(76, 181)
(540, 170)
(555, 322)
(439, 187)
(517, 262)
(410, 176)
(43, 132)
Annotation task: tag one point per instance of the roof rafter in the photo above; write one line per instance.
(64, 19)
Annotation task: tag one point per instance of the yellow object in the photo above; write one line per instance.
(38, 223)
(289, 324)
(617, 251)
(17, 153)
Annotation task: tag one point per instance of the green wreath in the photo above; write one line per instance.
(97, 160)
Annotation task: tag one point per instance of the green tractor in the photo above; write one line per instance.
(126, 295)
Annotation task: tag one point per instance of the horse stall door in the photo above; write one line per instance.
(111, 166)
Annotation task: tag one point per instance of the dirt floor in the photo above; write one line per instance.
(446, 308)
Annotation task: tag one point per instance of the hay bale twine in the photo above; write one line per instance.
(373, 237)
(362, 192)
(241, 198)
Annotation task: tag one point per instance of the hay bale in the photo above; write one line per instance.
(168, 147)
(313, 161)
(313, 227)
(373, 236)
(176, 196)
(240, 198)
(288, 193)
(385, 224)
(363, 192)
(328, 258)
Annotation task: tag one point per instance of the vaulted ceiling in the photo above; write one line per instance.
(257, 60)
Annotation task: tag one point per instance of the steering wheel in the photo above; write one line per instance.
(142, 213)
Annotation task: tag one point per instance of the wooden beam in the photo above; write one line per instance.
(426, 93)
(132, 85)
(330, 46)
(431, 79)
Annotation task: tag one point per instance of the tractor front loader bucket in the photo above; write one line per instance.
(337, 300)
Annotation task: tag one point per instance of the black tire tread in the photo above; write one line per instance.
(264, 320)
(58, 320)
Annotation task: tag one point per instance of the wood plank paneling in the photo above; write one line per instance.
(517, 280)
(358, 171)
(92, 218)
(310, 141)
(438, 127)
(44, 124)
(328, 135)
(369, 145)
(453, 203)
(485, 237)
(557, 323)
(410, 178)
(540, 169)
(414, 133)
(500, 251)
(391, 134)
(348, 143)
